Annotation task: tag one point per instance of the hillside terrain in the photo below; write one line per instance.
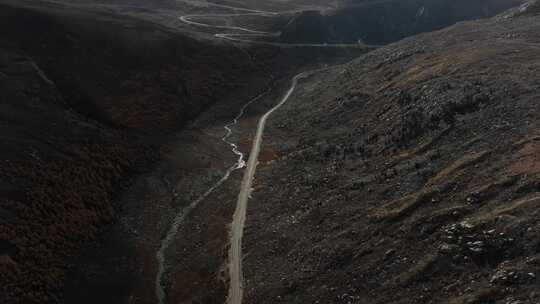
(410, 175)
(385, 21)
(412, 168)
(86, 105)
(93, 98)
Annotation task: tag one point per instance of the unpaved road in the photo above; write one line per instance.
(247, 33)
(182, 214)
(239, 217)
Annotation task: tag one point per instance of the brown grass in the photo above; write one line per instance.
(520, 206)
(442, 65)
(527, 159)
(417, 271)
(267, 155)
(489, 190)
(478, 296)
(438, 184)
(423, 147)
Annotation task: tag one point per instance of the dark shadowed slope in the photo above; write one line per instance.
(91, 99)
(385, 21)
(87, 99)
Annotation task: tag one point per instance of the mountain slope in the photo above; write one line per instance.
(385, 21)
(410, 175)
(94, 101)
(87, 102)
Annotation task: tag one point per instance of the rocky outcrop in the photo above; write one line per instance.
(409, 175)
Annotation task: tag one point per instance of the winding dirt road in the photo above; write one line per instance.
(237, 226)
(239, 218)
(247, 33)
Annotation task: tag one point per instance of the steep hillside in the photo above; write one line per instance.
(411, 175)
(87, 100)
(381, 22)
(58, 173)
(92, 99)
(413, 168)
(124, 71)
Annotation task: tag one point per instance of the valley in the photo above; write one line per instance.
(406, 167)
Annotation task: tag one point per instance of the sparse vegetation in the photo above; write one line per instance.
(437, 191)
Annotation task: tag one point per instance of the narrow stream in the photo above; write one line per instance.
(240, 163)
(184, 212)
